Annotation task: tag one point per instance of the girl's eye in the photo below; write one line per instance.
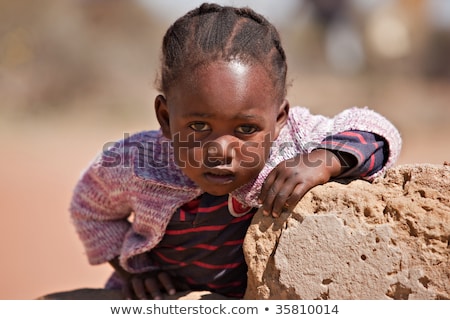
(246, 129)
(199, 126)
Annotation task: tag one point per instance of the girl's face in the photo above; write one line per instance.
(222, 120)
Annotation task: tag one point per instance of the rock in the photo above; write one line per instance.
(84, 294)
(104, 294)
(389, 239)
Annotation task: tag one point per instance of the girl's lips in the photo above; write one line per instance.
(219, 176)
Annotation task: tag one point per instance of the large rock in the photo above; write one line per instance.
(105, 294)
(389, 239)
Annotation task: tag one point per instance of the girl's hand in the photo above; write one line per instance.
(143, 285)
(291, 179)
(148, 286)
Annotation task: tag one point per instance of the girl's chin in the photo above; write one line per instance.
(218, 189)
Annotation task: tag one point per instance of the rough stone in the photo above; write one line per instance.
(389, 239)
(105, 294)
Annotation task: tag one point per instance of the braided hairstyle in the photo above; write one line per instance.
(221, 33)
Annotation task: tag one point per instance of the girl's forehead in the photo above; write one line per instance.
(234, 72)
(238, 67)
(232, 86)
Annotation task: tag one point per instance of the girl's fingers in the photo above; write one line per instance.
(284, 194)
(266, 188)
(166, 282)
(152, 286)
(284, 198)
(127, 291)
(296, 195)
(273, 188)
(138, 288)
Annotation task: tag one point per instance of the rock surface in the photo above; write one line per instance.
(389, 239)
(104, 294)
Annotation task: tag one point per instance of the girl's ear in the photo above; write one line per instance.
(162, 114)
(282, 116)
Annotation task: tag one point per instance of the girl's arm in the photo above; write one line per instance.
(99, 209)
(295, 164)
(350, 154)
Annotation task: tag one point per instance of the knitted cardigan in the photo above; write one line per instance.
(123, 202)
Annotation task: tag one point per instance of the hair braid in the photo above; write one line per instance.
(212, 32)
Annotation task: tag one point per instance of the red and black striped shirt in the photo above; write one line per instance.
(202, 245)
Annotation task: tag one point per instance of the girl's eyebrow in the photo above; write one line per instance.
(238, 116)
(197, 115)
(249, 116)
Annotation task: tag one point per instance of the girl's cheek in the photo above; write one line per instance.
(252, 155)
(186, 157)
(191, 157)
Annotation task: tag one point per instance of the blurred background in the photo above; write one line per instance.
(77, 74)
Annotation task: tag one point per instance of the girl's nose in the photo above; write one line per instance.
(220, 151)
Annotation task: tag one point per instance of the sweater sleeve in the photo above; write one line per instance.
(99, 208)
(125, 199)
(308, 131)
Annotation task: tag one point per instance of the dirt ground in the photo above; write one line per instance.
(78, 105)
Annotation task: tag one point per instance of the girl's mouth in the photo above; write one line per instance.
(219, 176)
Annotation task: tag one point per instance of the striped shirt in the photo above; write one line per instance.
(202, 245)
(370, 150)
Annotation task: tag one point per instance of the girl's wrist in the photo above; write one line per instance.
(118, 268)
(327, 160)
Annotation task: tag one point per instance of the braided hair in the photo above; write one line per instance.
(221, 33)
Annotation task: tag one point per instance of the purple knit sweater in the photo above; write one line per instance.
(125, 199)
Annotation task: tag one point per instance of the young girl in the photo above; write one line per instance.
(169, 209)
